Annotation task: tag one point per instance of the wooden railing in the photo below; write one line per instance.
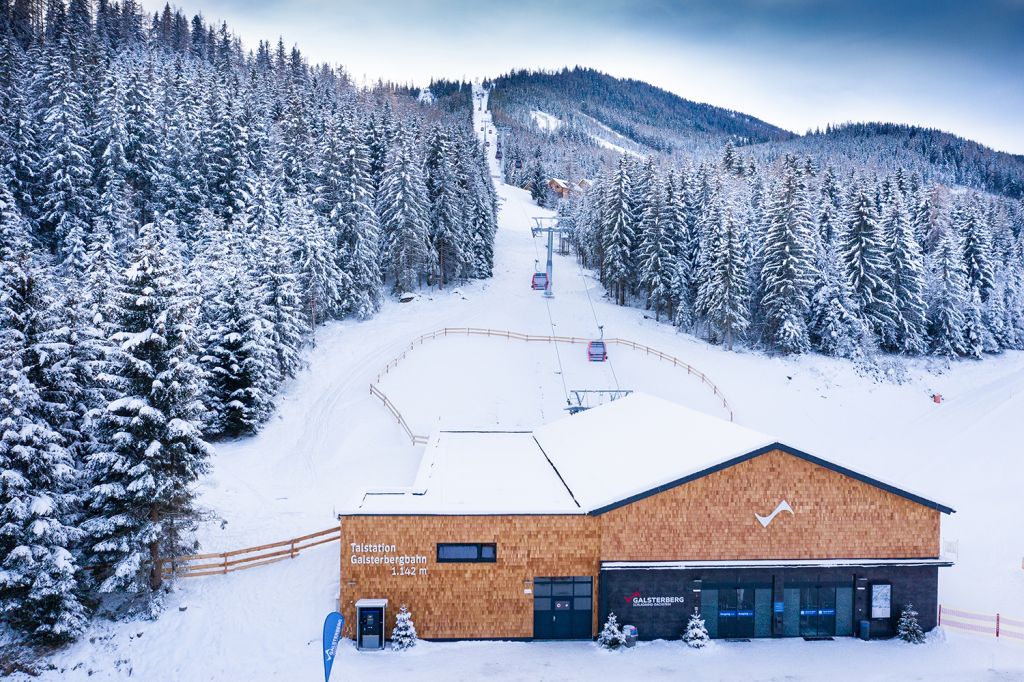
(519, 336)
(197, 565)
(416, 440)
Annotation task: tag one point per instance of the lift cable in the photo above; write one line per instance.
(551, 321)
(593, 310)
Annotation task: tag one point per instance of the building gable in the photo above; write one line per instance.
(713, 515)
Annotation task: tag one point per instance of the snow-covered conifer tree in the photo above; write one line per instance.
(907, 279)
(611, 636)
(724, 296)
(40, 594)
(862, 249)
(948, 297)
(696, 635)
(140, 497)
(618, 233)
(908, 629)
(788, 272)
(403, 636)
(405, 221)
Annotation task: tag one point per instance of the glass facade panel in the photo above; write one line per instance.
(581, 603)
(791, 612)
(763, 612)
(709, 611)
(844, 611)
(541, 589)
(541, 604)
(582, 589)
(561, 589)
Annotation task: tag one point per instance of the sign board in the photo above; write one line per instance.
(881, 600)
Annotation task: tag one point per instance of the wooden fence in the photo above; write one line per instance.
(993, 625)
(416, 440)
(505, 334)
(197, 565)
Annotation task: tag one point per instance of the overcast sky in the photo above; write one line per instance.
(799, 64)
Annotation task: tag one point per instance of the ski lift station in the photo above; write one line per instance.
(643, 508)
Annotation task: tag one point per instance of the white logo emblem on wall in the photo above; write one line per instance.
(765, 520)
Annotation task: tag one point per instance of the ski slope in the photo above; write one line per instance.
(330, 439)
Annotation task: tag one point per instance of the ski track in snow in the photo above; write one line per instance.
(329, 439)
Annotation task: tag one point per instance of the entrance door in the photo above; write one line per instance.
(817, 611)
(563, 607)
(736, 612)
(371, 628)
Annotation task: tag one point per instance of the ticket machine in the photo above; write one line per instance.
(370, 623)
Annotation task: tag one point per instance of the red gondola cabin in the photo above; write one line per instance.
(596, 351)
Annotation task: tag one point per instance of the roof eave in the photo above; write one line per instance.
(757, 453)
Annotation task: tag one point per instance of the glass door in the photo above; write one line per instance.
(736, 612)
(817, 611)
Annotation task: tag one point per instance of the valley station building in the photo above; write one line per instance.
(646, 509)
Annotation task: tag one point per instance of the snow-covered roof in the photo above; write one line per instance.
(560, 182)
(637, 443)
(477, 473)
(590, 462)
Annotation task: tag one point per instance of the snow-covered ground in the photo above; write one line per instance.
(545, 121)
(331, 439)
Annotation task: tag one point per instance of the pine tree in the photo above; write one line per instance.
(836, 329)
(724, 296)
(696, 635)
(405, 217)
(948, 297)
(656, 254)
(908, 629)
(788, 272)
(65, 169)
(611, 636)
(976, 240)
(282, 302)
(617, 234)
(862, 249)
(907, 280)
(140, 499)
(321, 283)
(447, 236)
(404, 634)
(40, 594)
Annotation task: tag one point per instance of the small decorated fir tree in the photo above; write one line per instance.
(696, 635)
(404, 635)
(611, 636)
(908, 629)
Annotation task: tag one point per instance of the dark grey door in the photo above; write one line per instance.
(563, 607)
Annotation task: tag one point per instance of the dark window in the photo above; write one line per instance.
(467, 552)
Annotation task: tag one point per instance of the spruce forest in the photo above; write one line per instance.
(794, 258)
(857, 241)
(177, 215)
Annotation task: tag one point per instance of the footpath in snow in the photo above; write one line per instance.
(330, 440)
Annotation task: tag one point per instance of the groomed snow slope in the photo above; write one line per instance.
(330, 439)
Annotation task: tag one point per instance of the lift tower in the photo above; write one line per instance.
(548, 226)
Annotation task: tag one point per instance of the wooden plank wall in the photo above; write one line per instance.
(455, 600)
(710, 518)
(835, 517)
